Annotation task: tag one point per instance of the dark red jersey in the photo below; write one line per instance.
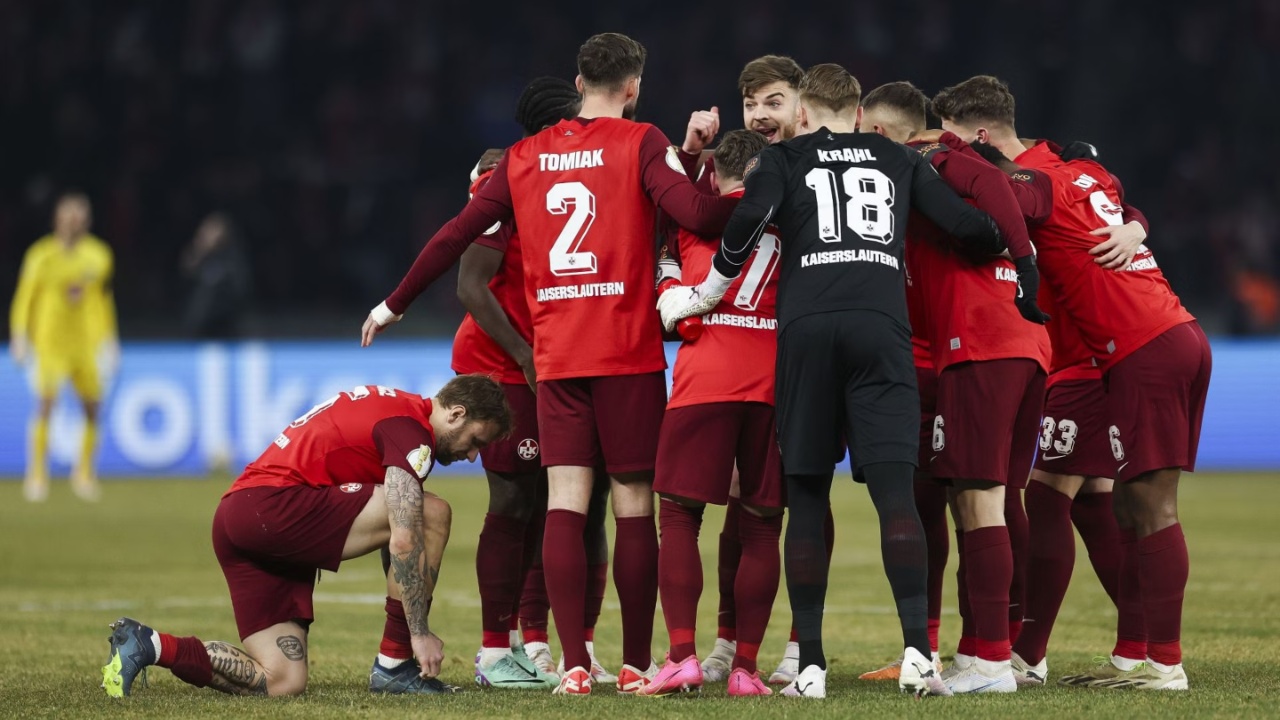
(352, 437)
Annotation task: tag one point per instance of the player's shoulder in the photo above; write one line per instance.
(97, 245)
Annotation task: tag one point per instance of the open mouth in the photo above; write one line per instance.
(768, 132)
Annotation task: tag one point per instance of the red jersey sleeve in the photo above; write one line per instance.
(666, 183)
(491, 205)
(498, 236)
(404, 443)
(1034, 193)
(989, 189)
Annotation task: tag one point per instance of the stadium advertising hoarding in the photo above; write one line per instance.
(180, 409)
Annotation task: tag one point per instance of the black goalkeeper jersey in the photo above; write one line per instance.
(840, 202)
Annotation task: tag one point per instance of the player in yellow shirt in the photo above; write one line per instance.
(63, 320)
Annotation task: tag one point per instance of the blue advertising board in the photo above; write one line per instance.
(180, 409)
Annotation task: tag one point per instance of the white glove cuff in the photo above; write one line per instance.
(383, 315)
(716, 285)
(475, 172)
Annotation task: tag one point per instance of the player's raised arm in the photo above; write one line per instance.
(938, 202)
(989, 188)
(667, 184)
(491, 205)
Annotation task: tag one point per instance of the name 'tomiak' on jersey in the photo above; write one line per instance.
(557, 162)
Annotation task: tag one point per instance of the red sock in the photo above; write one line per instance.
(968, 638)
(534, 605)
(727, 571)
(757, 584)
(395, 632)
(597, 581)
(186, 658)
(794, 636)
(989, 570)
(680, 575)
(499, 561)
(1053, 557)
(931, 503)
(1015, 518)
(564, 561)
(635, 575)
(1131, 625)
(1096, 523)
(1163, 565)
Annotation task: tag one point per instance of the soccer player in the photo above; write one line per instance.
(63, 319)
(840, 202)
(1154, 358)
(342, 481)
(991, 367)
(769, 86)
(721, 411)
(584, 195)
(496, 339)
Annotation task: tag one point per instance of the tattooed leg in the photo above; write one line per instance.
(273, 662)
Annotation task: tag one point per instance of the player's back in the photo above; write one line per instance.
(733, 360)
(842, 222)
(586, 226)
(1116, 311)
(346, 439)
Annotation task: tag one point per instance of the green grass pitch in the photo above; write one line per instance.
(67, 569)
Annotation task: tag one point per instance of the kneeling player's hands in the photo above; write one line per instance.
(1028, 290)
(429, 650)
(683, 301)
(378, 320)
(1121, 244)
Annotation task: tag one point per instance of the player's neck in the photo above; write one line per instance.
(1008, 144)
(597, 106)
(832, 122)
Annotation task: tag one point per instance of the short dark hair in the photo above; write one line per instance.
(608, 60)
(902, 97)
(767, 70)
(546, 101)
(482, 396)
(735, 149)
(830, 86)
(982, 98)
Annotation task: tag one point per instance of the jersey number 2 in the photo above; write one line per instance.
(868, 212)
(566, 258)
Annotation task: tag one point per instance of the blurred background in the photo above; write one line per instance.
(284, 160)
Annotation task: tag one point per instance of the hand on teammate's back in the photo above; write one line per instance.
(1121, 244)
(1029, 290)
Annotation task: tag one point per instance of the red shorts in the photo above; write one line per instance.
(927, 380)
(700, 443)
(987, 422)
(270, 541)
(614, 419)
(1155, 400)
(519, 454)
(1073, 434)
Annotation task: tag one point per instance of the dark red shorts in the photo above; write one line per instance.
(1155, 399)
(927, 380)
(270, 541)
(700, 443)
(519, 454)
(987, 421)
(1073, 434)
(615, 420)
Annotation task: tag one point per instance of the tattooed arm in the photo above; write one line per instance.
(407, 550)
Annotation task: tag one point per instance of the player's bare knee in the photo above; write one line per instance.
(437, 513)
(289, 683)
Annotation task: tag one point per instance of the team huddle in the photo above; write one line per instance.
(952, 308)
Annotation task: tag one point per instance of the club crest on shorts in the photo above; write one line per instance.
(527, 449)
(420, 461)
(350, 487)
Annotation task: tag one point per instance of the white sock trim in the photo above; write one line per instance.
(391, 663)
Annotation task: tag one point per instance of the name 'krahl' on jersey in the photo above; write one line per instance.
(840, 202)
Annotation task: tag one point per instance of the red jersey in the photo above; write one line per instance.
(967, 305)
(734, 359)
(473, 350)
(1071, 357)
(349, 438)
(920, 352)
(1116, 312)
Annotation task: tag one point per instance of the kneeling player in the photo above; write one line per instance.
(317, 497)
(721, 411)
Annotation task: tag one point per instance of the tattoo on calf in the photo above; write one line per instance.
(292, 647)
(234, 671)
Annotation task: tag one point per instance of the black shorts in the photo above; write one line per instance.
(846, 374)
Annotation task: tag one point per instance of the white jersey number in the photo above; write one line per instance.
(763, 264)
(566, 258)
(868, 211)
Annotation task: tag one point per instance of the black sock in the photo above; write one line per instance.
(805, 551)
(903, 548)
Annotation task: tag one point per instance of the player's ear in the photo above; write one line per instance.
(857, 120)
(983, 136)
(457, 414)
(802, 116)
(577, 83)
(633, 87)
